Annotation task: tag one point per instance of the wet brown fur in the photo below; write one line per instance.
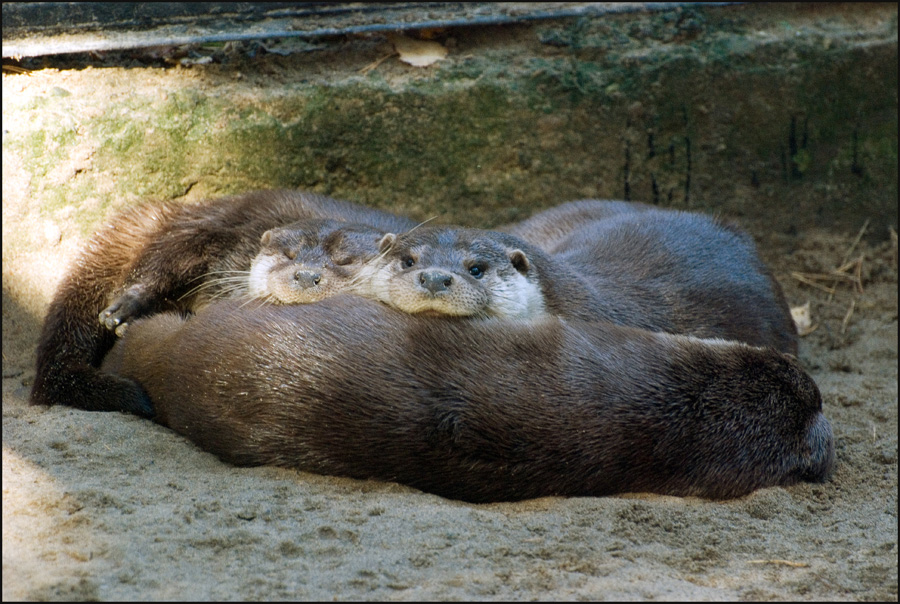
(479, 410)
(667, 270)
(148, 259)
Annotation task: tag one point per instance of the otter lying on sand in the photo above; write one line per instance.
(167, 256)
(663, 271)
(479, 410)
(156, 257)
(680, 272)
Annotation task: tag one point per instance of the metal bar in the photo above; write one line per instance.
(46, 28)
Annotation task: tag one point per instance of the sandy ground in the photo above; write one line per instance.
(111, 507)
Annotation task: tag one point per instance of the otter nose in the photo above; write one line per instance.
(304, 279)
(435, 281)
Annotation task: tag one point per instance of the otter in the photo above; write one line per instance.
(479, 409)
(151, 258)
(668, 271)
(310, 260)
(223, 237)
(688, 273)
(466, 272)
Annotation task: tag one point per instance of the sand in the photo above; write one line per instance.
(112, 507)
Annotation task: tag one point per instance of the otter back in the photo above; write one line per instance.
(480, 410)
(667, 270)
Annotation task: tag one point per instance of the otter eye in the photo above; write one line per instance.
(477, 270)
(291, 254)
(340, 255)
(408, 261)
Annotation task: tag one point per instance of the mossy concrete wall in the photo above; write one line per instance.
(783, 115)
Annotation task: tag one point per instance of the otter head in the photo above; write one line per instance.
(458, 272)
(310, 260)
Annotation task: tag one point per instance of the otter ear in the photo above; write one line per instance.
(266, 238)
(387, 242)
(519, 261)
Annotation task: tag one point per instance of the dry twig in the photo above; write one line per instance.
(781, 562)
(849, 271)
(15, 69)
(374, 64)
(848, 315)
(894, 245)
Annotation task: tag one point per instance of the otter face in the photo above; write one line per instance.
(456, 272)
(310, 260)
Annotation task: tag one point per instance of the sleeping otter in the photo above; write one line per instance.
(479, 410)
(666, 271)
(310, 260)
(153, 257)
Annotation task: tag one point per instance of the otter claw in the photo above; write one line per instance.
(112, 317)
(108, 320)
(129, 305)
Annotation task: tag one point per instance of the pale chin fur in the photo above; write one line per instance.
(518, 298)
(258, 280)
(363, 283)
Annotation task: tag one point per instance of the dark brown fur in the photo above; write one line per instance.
(663, 271)
(479, 410)
(667, 270)
(148, 259)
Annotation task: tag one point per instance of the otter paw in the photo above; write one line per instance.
(130, 305)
